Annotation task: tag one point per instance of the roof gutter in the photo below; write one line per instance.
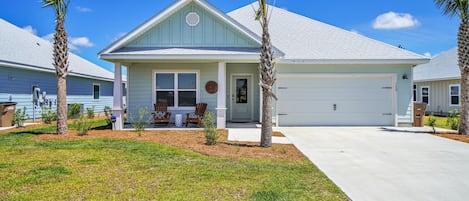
(355, 61)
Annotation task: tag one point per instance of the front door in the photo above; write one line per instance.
(241, 98)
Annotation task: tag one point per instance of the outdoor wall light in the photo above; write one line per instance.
(404, 76)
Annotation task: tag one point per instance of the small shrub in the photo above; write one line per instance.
(142, 122)
(453, 119)
(210, 130)
(48, 115)
(432, 122)
(82, 125)
(19, 117)
(74, 111)
(89, 113)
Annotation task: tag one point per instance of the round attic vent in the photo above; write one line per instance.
(192, 19)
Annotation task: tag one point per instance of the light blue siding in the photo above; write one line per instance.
(404, 88)
(140, 78)
(16, 85)
(210, 32)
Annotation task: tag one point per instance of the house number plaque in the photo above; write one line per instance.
(211, 87)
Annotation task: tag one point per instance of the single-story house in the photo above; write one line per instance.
(27, 75)
(326, 75)
(437, 83)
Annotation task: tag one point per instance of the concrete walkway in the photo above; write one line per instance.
(252, 135)
(375, 164)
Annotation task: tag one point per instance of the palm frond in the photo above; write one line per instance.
(60, 6)
(454, 7)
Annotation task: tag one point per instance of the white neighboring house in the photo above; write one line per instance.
(326, 75)
(27, 75)
(437, 83)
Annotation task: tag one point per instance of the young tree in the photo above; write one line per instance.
(267, 75)
(60, 60)
(460, 8)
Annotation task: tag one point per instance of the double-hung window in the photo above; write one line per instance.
(177, 89)
(425, 94)
(454, 93)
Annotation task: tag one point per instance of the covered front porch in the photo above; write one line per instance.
(230, 90)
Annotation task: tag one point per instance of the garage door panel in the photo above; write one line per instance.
(358, 100)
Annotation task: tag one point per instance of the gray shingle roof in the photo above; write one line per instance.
(21, 49)
(442, 67)
(303, 39)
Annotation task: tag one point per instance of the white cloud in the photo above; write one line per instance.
(392, 20)
(83, 9)
(74, 43)
(30, 29)
(427, 54)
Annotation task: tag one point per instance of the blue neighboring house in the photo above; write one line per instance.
(27, 75)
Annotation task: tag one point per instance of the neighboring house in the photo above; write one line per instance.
(437, 83)
(326, 75)
(27, 75)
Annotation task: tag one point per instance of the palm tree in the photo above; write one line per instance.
(267, 75)
(60, 61)
(460, 8)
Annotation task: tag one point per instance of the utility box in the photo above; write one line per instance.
(7, 111)
(419, 114)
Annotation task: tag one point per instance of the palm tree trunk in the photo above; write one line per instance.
(61, 68)
(463, 61)
(61, 105)
(267, 79)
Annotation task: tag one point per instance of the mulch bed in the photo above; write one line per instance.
(193, 140)
(462, 138)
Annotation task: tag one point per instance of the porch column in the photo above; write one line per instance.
(221, 96)
(117, 103)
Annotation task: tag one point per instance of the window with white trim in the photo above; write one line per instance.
(177, 89)
(425, 94)
(454, 94)
(96, 92)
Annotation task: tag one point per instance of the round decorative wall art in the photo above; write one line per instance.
(211, 87)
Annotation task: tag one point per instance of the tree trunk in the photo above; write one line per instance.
(266, 131)
(61, 105)
(61, 69)
(463, 61)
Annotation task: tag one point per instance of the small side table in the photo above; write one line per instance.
(178, 120)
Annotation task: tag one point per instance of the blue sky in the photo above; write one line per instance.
(92, 25)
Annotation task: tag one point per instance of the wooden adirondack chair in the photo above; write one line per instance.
(161, 114)
(196, 116)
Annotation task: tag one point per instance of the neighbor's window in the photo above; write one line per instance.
(96, 91)
(425, 95)
(454, 93)
(415, 93)
(177, 89)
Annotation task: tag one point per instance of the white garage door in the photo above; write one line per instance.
(339, 100)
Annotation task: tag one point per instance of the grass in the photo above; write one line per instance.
(106, 169)
(440, 122)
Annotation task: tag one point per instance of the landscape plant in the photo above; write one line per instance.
(453, 119)
(89, 113)
(210, 130)
(432, 122)
(19, 117)
(142, 120)
(48, 115)
(74, 110)
(82, 125)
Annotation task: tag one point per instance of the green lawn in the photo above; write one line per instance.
(104, 169)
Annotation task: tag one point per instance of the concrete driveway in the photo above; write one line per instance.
(375, 164)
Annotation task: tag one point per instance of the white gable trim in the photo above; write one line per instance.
(171, 10)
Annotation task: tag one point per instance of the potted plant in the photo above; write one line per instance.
(19, 117)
